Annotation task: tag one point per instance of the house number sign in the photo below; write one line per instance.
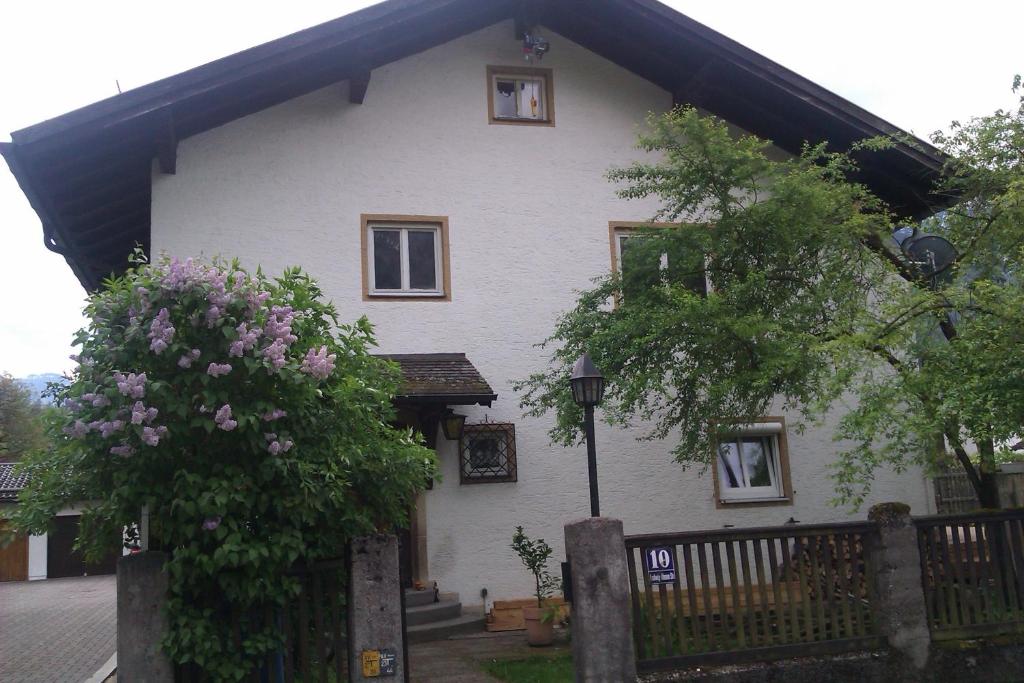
(378, 663)
(660, 563)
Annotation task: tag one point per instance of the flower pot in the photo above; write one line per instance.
(538, 632)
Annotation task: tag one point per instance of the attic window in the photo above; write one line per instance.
(520, 95)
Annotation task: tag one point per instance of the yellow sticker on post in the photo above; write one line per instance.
(371, 663)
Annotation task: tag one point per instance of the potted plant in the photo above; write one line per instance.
(540, 620)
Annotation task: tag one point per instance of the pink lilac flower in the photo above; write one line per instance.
(212, 316)
(124, 450)
(133, 385)
(77, 430)
(275, 354)
(161, 332)
(246, 340)
(107, 429)
(223, 418)
(211, 523)
(319, 364)
(97, 400)
(276, 445)
(72, 404)
(185, 361)
(141, 413)
(274, 414)
(151, 435)
(218, 369)
(279, 324)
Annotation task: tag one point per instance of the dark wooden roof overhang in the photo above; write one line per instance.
(440, 379)
(87, 173)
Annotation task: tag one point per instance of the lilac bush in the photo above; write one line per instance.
(254, 427)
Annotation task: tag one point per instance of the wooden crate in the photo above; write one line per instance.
(507, 615)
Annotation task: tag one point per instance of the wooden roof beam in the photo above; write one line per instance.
(357, 86)
(167, 144)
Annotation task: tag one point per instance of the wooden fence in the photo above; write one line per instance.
(954, 493)
(312, 628)
(750, 594)
(972, 567)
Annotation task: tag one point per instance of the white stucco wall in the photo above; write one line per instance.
(528, 211)
(37, 557)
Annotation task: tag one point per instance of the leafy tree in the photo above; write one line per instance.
(21, 428)
(252, 425)
(811, 303)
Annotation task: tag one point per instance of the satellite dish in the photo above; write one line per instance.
(930, 254)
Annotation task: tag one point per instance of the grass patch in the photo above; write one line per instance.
(536, 669)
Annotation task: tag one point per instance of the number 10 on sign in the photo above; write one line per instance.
(660, 564)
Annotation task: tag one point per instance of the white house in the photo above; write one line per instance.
(433, 179)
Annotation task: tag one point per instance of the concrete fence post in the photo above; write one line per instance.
(602, 640)
(376, 645)
(141, 594)
(895, 571)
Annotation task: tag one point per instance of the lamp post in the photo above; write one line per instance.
(587, 391)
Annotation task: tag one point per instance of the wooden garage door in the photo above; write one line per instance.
(14, 559)
(61, 558)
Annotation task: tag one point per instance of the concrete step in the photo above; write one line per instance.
(435, 611)
(442, 630)
(415, 598)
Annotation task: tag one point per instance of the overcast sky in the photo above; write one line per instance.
(917, 64)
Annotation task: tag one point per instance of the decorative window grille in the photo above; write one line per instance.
(487, 453)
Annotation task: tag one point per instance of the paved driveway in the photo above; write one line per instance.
(59, 630)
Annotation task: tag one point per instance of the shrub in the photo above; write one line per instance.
(253, 427)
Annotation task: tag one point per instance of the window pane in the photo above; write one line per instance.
(756, 460)
(422, 264)
(387, 259)
(530, 104)
(730, 474)
(504, 99)
(483, 452)
(640, 267)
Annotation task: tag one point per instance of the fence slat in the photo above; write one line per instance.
(1004, 562)
(844, 559)
(950, 587)
(722, 612)
(780, 608)
(705, 589)
(748, 593)
(634, 596)
(829, 585)
(959, 574)
(691, 594)
(791, 575)
(815, 593)
(652, 618)
(762, 594)
(734, 590)
(677, 595)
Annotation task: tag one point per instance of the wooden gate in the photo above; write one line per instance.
(750, 594)
(14, 559)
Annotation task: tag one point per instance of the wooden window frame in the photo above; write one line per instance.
(367, 221)
(522, 72)
(617, 227)
(511, 462)
(784, 470)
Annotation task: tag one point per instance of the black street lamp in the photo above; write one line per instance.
(587, 391)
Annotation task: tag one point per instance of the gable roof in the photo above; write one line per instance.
(87, 173)
(11, 482)
(448, 378)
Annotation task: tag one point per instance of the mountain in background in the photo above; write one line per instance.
(37, 384)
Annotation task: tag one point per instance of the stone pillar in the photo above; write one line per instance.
(141, 594)
(602, 639)
(895, 570)
(375, 633)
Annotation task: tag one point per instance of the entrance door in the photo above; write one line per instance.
(412, 540)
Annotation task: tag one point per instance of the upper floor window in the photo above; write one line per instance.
(520, 95)
(405, 257)
(643, 269)
(752, 463)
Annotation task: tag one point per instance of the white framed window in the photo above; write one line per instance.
(643, 270)
(405, 259)
(751, 464)
(520, 95)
